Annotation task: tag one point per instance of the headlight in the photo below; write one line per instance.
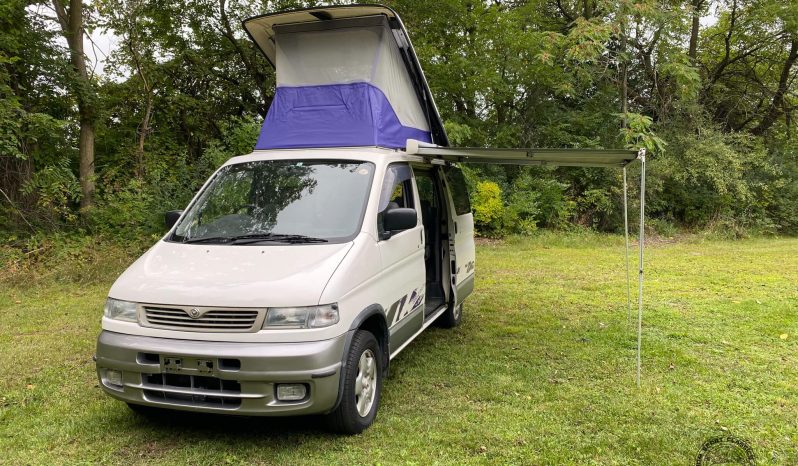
(302, 317)
(120, 310)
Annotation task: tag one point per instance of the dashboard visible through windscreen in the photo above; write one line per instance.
(280, 201)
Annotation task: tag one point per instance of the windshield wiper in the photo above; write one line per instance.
(209, 239)
(256, 238)
(294, 239)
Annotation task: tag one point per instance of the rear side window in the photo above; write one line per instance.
(457, 184)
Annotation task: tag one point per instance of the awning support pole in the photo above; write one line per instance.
(626, 236)
(642, 156)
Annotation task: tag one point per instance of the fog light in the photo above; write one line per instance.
(291, 391)
(113, 377)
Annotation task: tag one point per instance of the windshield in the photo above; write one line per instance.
(282, 201)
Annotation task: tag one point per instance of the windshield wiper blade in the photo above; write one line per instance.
(255, 238)
(208, 239)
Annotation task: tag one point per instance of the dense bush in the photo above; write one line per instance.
(488, 208)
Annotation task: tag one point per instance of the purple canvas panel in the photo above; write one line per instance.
(336, 115)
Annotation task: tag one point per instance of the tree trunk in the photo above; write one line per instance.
(86, 149)
(71, 22)
(777, 104)
(693, 50)
(624, 68)
(145, 129)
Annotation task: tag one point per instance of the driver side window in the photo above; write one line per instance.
(397, 191)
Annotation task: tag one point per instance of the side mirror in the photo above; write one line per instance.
(399, 219)
(171, 217)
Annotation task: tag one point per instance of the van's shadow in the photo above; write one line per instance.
(218, 425)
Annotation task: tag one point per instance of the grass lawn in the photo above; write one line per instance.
(541, 371)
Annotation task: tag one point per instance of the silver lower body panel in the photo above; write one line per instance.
(220, 377)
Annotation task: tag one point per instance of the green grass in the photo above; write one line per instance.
(541, 371)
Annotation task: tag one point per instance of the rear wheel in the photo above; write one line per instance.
(452, 317)
(361, 387)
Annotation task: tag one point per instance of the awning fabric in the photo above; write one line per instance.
(526, 156)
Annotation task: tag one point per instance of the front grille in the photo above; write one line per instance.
(192, 390)
(206, 320)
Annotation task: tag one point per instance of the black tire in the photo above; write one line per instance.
(452, 317)
(346, 419)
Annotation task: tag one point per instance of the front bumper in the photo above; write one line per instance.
(220, 377)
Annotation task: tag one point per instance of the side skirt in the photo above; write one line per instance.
(427, 323)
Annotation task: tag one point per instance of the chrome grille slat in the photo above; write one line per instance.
(198, 325)
(210, 319)
(204, 319)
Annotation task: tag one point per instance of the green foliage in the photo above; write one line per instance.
(595, 205)
(57, 191)
(135, 206)
(185, 89)
(638, 132)
(556, 208)
(718, 178)
(488, 208)
(523, 210)
(530, 201)
(662, 227)
(129, 211)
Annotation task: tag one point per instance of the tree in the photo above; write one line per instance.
(33, 112)
(71, 19)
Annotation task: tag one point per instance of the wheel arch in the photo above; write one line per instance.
(371, 319)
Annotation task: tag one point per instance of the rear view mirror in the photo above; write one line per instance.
(171, 217)
(399, 219)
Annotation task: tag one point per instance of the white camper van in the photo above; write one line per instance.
(300, 270)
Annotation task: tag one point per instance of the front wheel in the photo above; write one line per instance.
(361, 387)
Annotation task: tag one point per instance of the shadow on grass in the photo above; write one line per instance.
(214, 425)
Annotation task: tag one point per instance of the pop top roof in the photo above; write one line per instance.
(346, 76)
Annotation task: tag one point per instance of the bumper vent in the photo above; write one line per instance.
(192, 390)
(199, 319)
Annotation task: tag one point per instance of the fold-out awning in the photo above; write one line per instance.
(616, 158)
(610, 158)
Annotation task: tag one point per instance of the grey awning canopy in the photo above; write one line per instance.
(617, 158)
